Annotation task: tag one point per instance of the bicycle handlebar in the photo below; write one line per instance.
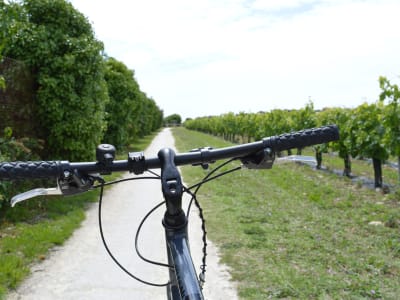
(138, 164)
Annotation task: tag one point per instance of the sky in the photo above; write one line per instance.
(209, 57)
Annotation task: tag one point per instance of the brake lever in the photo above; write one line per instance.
(71, 183)
(35, 193)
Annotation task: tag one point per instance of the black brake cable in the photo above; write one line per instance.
(122, 180)
(140, 227)
(103, 238)
(207, 178)
(137, 239)
(198, 185)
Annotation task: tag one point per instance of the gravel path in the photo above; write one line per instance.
(81, 269)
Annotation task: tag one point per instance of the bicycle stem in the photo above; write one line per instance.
(175, 224)
(172, 188)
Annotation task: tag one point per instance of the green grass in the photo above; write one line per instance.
(359, 167)
(29, 230)
(295, 233)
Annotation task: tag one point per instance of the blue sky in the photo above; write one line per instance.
(209, 57)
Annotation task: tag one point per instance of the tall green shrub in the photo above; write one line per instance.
(130, 113)
(150, 116)
(174, 119)
(123, 109)
(58, 44)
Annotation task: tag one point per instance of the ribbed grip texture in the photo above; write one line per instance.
(304, 138)
(30, 169)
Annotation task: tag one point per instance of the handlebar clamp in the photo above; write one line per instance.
(74, 182)
(136, 162)
(203, 151)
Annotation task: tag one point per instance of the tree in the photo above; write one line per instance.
(58, 44)
(156, 114)
(150, 115)
(173, 119)
(123, 109)
(391, 117)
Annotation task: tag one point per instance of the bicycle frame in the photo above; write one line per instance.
(184, 283)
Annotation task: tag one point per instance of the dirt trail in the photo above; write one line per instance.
(81, 269)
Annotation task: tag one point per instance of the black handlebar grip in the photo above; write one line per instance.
(303, 138)
(32, 169)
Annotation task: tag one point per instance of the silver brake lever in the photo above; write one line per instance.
(35, 193)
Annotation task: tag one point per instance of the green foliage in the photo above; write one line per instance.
(304, 117)
(391, 120)
(12, 149)
(150, 116)
(255, 126)
(366, 132)
(73, 81)
(340, 117)
(278, 121)
(130, 113)
(124, 106)
(58, 44)
(174, 119)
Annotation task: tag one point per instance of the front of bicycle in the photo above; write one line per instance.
(73, 178)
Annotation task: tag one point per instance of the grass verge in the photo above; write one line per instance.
(295, 233)
(29, 230)
(360, 168)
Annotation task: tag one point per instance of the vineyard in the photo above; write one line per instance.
(369, 131)
(292, 232)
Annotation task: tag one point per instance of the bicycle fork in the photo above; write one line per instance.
(184, 283)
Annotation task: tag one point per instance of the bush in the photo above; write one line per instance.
(12, 149)
(123, 109)
(173, 119)
(58, 44)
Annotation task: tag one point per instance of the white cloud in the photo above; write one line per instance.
(272, 5)
(209, 57)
